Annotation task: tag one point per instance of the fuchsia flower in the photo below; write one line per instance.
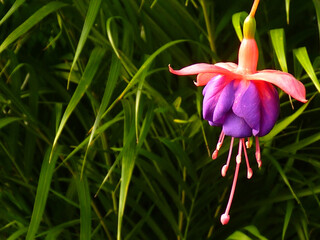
(241, 99)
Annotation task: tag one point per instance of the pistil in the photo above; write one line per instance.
(225, 217)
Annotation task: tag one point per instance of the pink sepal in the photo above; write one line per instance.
(207, 71)
(283, 80)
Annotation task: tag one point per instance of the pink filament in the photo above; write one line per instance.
(225, 217)
(249, 170)
(226, 166)
(219, 144)
(258, 154)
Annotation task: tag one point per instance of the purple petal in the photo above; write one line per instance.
(235, 126)
(211, 94)
(269, 107)
(247, 105)
(224, 103)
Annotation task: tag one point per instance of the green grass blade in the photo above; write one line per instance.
(100, 130)
(287, 218)
(13, 8)
(111, 83)
(7, 120)
(302, 143)
(43, 188)
(303, 57)
(30, 22)
(85, 207)
(237, 19)
(18, 233)
(85, 81)
(128, 161)
(53, 232)
(237, 235)
(288, 10)
(93, 9)
(181, 155)
(278, 42)
(317, 8)
(283, 175)
(255, 232)
(141, 70)
(138, 97)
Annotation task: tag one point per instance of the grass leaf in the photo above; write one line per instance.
(43, 188)
(278, 42)
(85, 207)
(13, 8)
(85, 81)
(31, 22)
(88, 23)
(303, 57)
(128, 161)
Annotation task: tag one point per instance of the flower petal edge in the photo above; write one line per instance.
(288, 83)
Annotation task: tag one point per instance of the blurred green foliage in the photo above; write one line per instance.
(98, 140)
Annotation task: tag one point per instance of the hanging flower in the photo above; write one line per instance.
(241, 99)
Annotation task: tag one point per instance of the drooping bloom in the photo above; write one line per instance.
(242, 100)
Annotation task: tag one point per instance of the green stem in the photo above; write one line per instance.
(208, 25)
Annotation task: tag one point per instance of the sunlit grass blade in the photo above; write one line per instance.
(238, 235)
(85, 207)
(288, 10)
(237, 19)
(138, 97)
(128, 160)
(278, 42)
(303, 57)
(30, 22)
(43, 188)
(85, 81)
(255, 232)
(13, 8)
(94, 6)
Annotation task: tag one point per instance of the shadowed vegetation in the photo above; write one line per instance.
(99, 141)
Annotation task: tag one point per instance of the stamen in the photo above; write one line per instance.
(219, 145)
(226, 166)
(249, 170)
(248, 143)
(258, 154)
(220, 141)
(225, 217)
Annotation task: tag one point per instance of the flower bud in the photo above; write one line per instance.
(249, 27)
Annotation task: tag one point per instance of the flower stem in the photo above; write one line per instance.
(208, 25)
(254, 8)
